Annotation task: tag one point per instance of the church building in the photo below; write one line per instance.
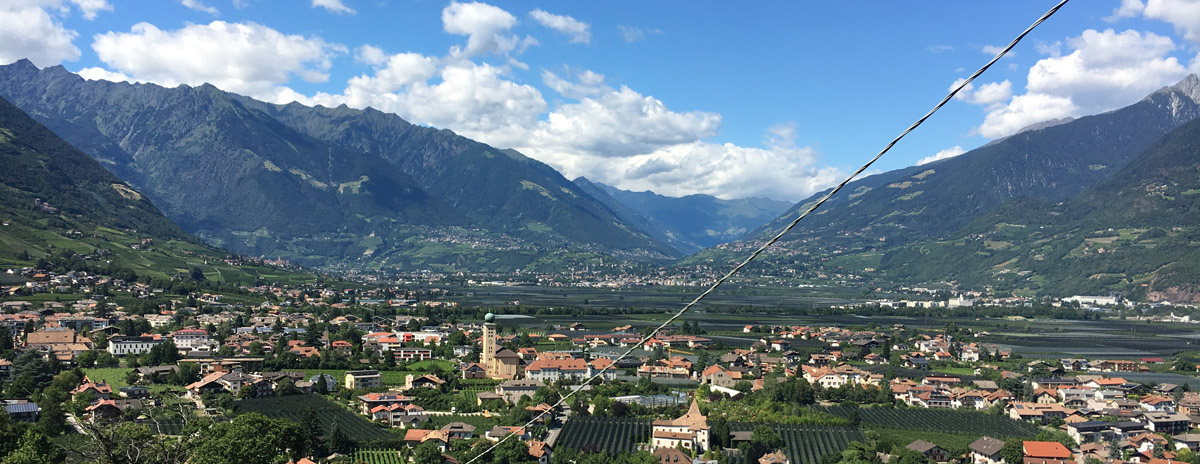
(690, 431)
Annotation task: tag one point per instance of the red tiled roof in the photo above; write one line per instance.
(1046, 449)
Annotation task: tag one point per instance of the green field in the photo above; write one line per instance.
(807, 444)
(377, 456)
(113, 376)
(610, 435)
(292, 408)
(938, 420)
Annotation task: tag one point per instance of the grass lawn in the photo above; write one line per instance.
(113, 376)
(957, 370)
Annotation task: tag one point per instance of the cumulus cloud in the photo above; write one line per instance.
(27, 30)
(90, 8)
(199, 6)
(486, 28)
(101, 74)
(619, 123)
(1127, 9)
(1183, 14)
(722, 170)
(587, 84)
(333, 6)
(246, 58)
(371, 55)
(1104, 70)
(987, 95)
(474, 99)
(941, 155)
(578, 31)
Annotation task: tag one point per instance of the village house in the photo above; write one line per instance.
(719, 376)
(931, 451)
(1046, 452)
(513, 390)
(689, 431)
(986, 450)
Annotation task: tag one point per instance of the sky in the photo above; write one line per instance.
(776, 99)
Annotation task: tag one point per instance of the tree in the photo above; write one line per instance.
(35, 448)
(860, 453)
(338, 441)
(512, 451)
(907, 456)
(313, 445)
(286, 388)
(427, 453)
(719, 431)
(250, 437)
(763, 440)
(1013, 451)
(322, 385)
(52, 420)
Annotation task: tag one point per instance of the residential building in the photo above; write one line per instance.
(986, 450)
(363, 379)
(121, 346)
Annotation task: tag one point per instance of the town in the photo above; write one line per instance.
(384, 374)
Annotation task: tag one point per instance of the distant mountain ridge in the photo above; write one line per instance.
(688, 223)
(56, 203)
(1135, 232)
(908, 205)
(324, 186)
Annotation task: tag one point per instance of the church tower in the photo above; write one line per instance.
(489, 341)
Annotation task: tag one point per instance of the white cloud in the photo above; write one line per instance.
(941, 155)
(1183, 14)
(245, 58)
(940, 48)
(988, 94)
(334, 6)
(199, 6)
(1023, 111)
(371, 55)
(472, 99)
(400, 70)
(633, 34)
(1104, 70)
(91, 7)
(485, 27)
(1052, 49)
(1107, 70)
(27, 30)
(722, 170)
(621, 123)
(589, 84)
(1127, 9)
(580, 32)
(995, 50)
(101, 74)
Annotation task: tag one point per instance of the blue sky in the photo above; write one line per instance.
(733, 99)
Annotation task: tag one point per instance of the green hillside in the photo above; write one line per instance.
(57, 204)
(1136, 232)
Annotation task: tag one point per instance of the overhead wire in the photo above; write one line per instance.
(813, 207)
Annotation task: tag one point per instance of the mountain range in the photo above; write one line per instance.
(689, 223)
(895, 226)
(326, 186)
(57, 203)
(1097, 204)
